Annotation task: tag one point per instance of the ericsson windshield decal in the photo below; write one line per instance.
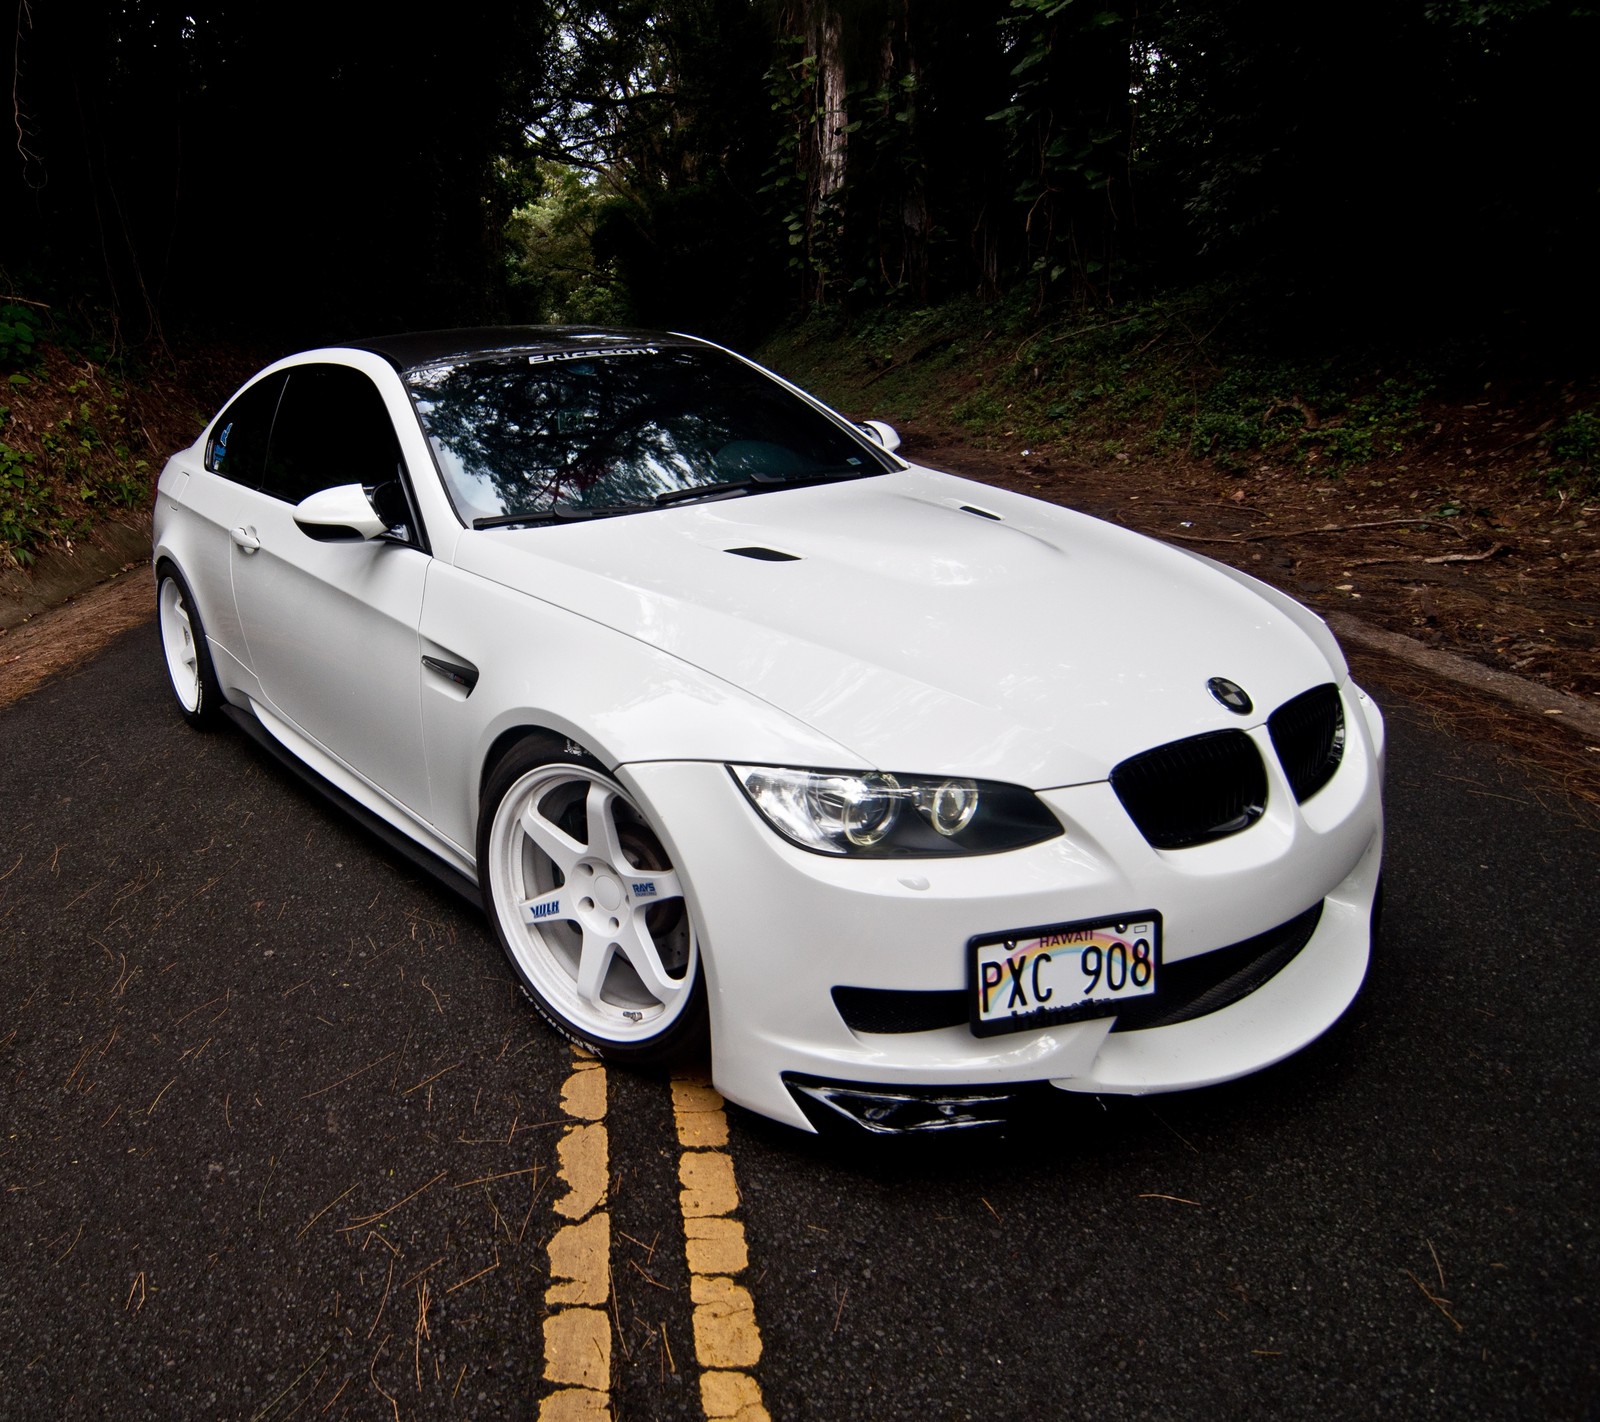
(546, 357)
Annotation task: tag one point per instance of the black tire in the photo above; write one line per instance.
(190, 672)
(594, 894)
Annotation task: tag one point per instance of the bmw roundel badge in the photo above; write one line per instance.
(1231, 695)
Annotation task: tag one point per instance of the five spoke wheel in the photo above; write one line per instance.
(590, 909)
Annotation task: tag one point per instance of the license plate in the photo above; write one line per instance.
(1063, 972)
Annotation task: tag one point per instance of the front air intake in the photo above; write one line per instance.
(1193, 791)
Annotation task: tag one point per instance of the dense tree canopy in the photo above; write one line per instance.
(717, 164)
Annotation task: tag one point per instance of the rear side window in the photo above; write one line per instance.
(332, 428)
(237, 448)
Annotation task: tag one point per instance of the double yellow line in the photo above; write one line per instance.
(577, 1326)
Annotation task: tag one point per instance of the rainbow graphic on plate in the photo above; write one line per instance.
(1062, 972)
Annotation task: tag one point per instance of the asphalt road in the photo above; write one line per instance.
(278, 1139)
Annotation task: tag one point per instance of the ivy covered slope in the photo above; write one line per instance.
(1192, 375)
(83, 433)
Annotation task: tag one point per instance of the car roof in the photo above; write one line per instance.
(412, 350)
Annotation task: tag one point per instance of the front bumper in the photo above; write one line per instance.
(781, 928)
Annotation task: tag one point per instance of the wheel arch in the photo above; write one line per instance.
(512, 736)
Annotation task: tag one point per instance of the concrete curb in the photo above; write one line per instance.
(56, 578)
(1582, 716)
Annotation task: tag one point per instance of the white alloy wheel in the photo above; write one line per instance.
(591, 911)
(183, 645)
(178, 641)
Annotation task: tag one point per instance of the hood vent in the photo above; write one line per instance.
(764, 555)
(981, 513)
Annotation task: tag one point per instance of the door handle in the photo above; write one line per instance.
(245, 538)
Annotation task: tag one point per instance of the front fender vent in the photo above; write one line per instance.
(764, 555)
(1193, 791)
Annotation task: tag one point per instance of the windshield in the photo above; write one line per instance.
(583, 433)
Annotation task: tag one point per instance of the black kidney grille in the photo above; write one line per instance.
(1195, 790)
(1308, 735)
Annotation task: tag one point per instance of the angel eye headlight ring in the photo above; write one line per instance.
(875, 814)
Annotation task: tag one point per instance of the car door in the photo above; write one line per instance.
(330, 626)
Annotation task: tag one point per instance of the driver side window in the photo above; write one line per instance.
(332, 428)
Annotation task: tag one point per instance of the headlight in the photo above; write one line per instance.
(879, 815)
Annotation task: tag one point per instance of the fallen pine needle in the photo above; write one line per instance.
(353, 1075)
(473, 1278)
(427, 1079)
(329, 1403)
(1177, 1199)
(1441, 1304)
(503, 1175)
(149, 1110)
(373, 1376)
(320, 1213)
(366, 1220)
(426, 1269)
(383, 1303)
(201, 1008)
(646, 1277)
(69, 1249)
(1436, 1264)
(262, 1411)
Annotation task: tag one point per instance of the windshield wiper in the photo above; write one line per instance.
(760, 481)
(711, 491)
(556, 513)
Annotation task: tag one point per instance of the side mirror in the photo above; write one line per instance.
(344, 513)
(880, 433)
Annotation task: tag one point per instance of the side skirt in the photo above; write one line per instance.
(408, 849)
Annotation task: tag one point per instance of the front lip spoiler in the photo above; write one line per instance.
(906, 1110)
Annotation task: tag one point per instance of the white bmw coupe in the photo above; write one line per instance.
(908, 795)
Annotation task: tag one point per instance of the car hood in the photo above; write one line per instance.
(930, 625)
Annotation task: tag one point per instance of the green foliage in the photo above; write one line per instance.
(1161, 378)
(553, 270)
(18, 332)
(82, 466)
(30, 515)
(1573, 446)
(791, 82)
(1068, 128)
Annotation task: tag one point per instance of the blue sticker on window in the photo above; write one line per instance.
(219, 448)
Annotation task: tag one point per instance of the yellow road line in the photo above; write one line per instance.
(727, 1341)
(577, 1328)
